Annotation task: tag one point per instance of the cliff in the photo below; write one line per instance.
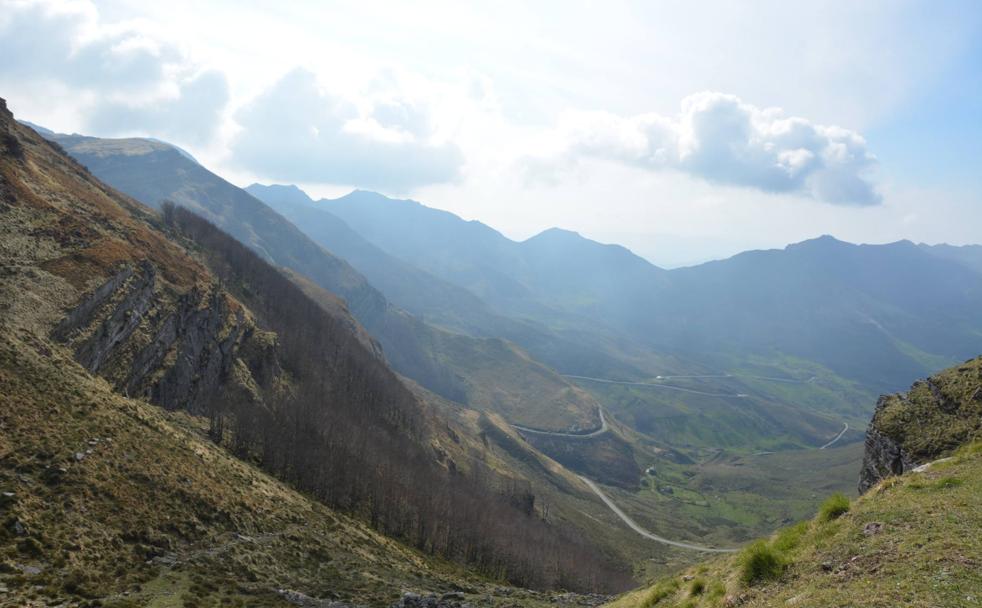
(928, 422)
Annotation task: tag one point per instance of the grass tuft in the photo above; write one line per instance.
(659, 592)
(789, 538)
(760, 562)
(834, 507)
(697, 587)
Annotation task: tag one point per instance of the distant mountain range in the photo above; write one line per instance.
(876, 314)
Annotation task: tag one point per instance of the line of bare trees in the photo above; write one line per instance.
(333, 420)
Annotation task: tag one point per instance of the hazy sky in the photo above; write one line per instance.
(684, 130)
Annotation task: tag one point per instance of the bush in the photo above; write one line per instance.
(760, 562)
(834, 507)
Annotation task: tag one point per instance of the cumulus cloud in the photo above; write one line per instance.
(127, 80)
(721, 139)
(295, 131)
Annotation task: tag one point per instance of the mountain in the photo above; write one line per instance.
(108, 306)
(575, 269)
(910, 540)
(442, 361)
(419, 292)
(556, 272)
(575, 347)
(878, 315)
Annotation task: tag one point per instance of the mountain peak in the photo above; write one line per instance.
(555, 232)
(370, 196)
(823, 242)
(288, 194)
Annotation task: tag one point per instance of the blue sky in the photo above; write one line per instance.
(936, 137)
(684, 130)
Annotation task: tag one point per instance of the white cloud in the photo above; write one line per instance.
(721, 139)
(295, 131)
(124, 80)
(192, 115)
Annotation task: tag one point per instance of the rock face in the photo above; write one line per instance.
(882, 457)
(177, 352)
(930, 421)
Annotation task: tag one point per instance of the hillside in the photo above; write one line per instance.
(441, 361)
(173, 311)
(909, 541)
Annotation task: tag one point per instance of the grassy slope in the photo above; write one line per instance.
(937, 415)
(911, 541)
(156, 506)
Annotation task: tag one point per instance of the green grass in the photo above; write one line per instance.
(834, 507)
(697, 587)
(760, 562)
(910, 541)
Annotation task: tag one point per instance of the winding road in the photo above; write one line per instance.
(659, 385)
(603, 429)
(634, 525)
(845, 427)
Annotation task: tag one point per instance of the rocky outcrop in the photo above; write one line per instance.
(177, 352)
(935, 417)
(882, 457)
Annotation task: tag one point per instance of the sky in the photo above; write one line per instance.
(685, 131)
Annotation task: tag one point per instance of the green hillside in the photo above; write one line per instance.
(910, 540)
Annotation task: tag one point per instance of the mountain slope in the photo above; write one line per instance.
(172, 310)
(554, 272)
(153, 172)
(879, 314)
(969, 256)
(417, 291)
(909, 541)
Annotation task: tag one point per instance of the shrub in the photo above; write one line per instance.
(834, 507)
(760, 562)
